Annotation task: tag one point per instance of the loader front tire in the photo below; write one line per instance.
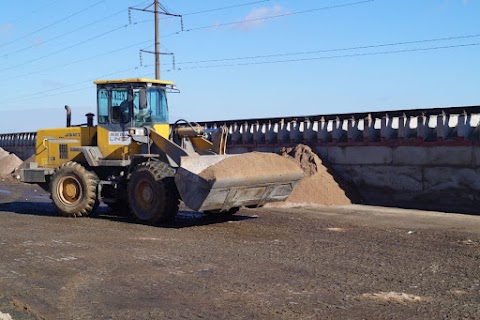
(152, 193)
(73, 190)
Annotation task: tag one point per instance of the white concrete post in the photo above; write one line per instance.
(322, 134)
(352, 130)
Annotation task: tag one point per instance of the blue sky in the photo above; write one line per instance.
(241, 58)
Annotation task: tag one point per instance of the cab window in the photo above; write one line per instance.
(102, 105)
(155, 110)
(158, 104)
(120, 105)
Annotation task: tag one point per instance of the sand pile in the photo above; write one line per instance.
(318, 186)
(254, 164)
(9, 162)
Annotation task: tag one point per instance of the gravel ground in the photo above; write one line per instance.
(349, 262)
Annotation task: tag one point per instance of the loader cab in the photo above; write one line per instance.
(126, 105)
(132, 102)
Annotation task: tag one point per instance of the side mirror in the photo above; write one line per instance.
(143, 99)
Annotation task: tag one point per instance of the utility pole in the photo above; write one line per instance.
(156, 6)
(157, 42)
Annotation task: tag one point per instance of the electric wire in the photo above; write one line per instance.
(70, 32)
(81, 60)
(44, 6)
(225, 8)
(41, 94)
(62, 35)
(218, 25)
(210, 10)
(98, 21)
(337, 56)
(272, 62)
(400, 43)
(281, 15)
(65, 49)
(284, 54)
(262, 63)
(198, 28)
(52, 24)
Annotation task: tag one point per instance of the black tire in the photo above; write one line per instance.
(152, 193)
(73, 190)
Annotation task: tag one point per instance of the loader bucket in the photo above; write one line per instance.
(222, 182)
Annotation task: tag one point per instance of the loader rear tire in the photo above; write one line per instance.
(152, 193)
(73, 190)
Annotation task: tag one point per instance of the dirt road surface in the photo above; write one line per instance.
(351, 262)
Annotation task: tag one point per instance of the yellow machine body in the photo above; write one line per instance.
(53, 146)
(134, 158)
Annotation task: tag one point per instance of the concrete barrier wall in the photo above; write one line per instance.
(21, 143)
(445, 178)
(440, 177)
(411, 158)
(355, 129)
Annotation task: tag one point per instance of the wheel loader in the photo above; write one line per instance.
(135, 161)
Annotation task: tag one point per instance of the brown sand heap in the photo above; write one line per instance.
(318, 186)
(9, 162)
(253, 164)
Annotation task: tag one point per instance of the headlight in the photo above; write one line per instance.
(137, 132)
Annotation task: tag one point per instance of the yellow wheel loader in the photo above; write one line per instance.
(135, 161)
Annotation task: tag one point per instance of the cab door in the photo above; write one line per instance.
(114, 120)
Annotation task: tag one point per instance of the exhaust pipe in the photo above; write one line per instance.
(69, 116)
(89, 119)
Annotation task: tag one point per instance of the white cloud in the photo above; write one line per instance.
(257, 17)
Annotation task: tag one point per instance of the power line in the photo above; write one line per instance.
(41, 94)
(42, 7)
(280, 15)
(45, 6)
(336, 49)
(339, 56)
(66, 48)
(72, 31)
(52, 24)
(81, 60)
(260, 63)
(263, 18)
(225, 8)
(64, 34)
(211, 10)
(450, 38)
(294, 53)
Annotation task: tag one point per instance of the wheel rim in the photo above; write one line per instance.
(145, 196)
(70, 190)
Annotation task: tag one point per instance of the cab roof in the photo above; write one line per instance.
(135, 80)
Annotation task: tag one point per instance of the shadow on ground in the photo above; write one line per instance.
(184, 218)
